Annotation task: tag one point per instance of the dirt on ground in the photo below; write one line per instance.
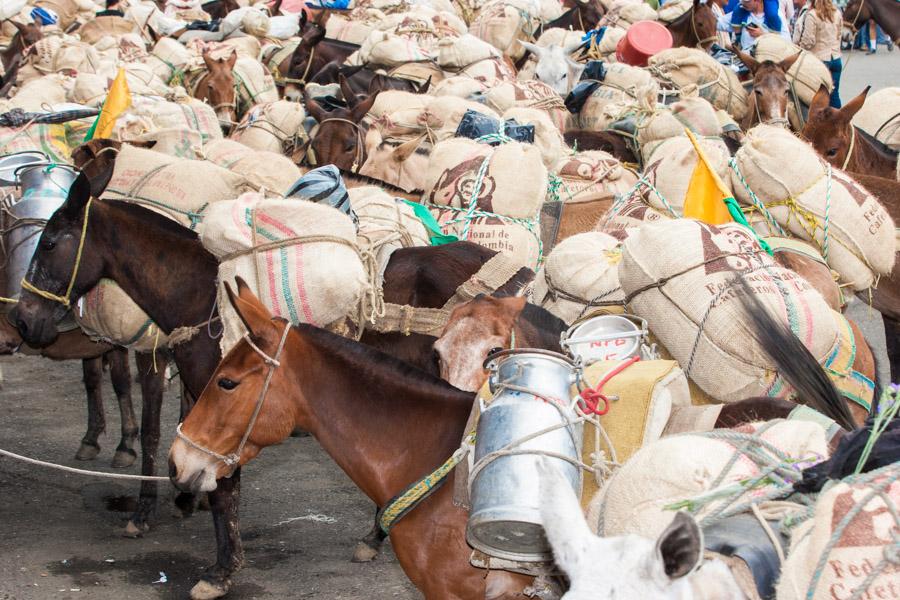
(61, 534)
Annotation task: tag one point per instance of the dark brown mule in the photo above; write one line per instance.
(340, 136)
(74, 345)
(353, 418)
(884, 12)
(365, 80)
(215, 86)
(177, 289)
(694, 29)
(26, 36)
(771, 91)
(219, 9)
(313, 52)
(833, 135)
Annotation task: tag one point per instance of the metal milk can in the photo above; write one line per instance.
(608, 337)
(531, 394)
(44, 189)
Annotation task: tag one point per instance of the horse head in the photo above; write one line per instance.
(856, 14)
(771, 90)
(61, 270)
(340, 137)
(217, 88)
(27, 35)
(555, 66)
(299, 67)
(828, 129)
(230, 423)
(589, 13)
(475, 330)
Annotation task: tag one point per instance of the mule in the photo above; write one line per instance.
(884, 12)
(694, 29)
(366, 80)
(833, 135)
(178, 289)
(26, 36)
(312, 53)
(582, 15)
(555, 65)
(340, 137)
(771, 91)
(215, 86)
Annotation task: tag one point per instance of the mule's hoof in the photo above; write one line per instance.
(87, 452)
(204, 590)
(123, 459)
(135, 531)
(363, 553)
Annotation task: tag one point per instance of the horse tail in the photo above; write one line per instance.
(795, 362)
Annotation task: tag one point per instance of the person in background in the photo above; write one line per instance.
(112, 10)
(800, 7)
(819, 31)
(753, 18)
(723, 38)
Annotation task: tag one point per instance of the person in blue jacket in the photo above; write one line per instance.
(750, 19)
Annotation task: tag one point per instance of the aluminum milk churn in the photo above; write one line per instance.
(531, 394)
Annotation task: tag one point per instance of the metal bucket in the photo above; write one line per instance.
(10, 163)
(608, 337)
(505, 520)
(44, 189)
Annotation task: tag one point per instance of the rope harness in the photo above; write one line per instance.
(233, 459)
(359, 157)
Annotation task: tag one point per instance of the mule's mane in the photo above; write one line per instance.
(375, 369)
(543, 319)
(353, 180)
(339, 43)
(152, 218)
(882, 148)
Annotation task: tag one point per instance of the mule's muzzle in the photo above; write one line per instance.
(36, 329)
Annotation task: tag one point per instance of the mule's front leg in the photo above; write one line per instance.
(152, 386)
(223, 502)
(92, 369)
(120, 374)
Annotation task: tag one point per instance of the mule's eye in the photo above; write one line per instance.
(495, 350)
(227, 384)
(48, 244)
(758, 92)
(831, 152)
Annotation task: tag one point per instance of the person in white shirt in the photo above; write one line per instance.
(750, 21)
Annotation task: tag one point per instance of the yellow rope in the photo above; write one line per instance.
(65, 300)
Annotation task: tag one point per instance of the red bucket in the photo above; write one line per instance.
(643, 40)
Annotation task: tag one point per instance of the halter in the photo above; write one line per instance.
(360, 141)
(850, 149)
(279, 80)
(234, 458)
(67, 299)
(852, 24)
(700, 41)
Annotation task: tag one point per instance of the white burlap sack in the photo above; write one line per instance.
(686, 68)
(89, 89)
(108, 313)
(527, 94)
(37, 93)
(313, 274)
(851, 553)
(490, 72)
(176, 142)
(671, 10)
(547, 136)
(264, 169)
(179, 189)
(605, 49)
(682, 467)
(502, 23)
(514, 183)
(880, 116)
(458, 86)
(393, 101)
(253, 83)
(385, 223)
(581, 270)
(672, 165)
(697, 314)
(628, 215)
(347, 30)
(149, 113)
(664, 123)
(625, 14)
(513, 239)
(798, 193)
(805, 76)
(457, 53)
(245, 46)
(388, 50)
(274, 126)
(168, 57)
(255, 23)
(592, 175)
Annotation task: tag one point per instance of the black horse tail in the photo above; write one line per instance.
(794, 362)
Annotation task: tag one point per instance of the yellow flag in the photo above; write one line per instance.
(117, 102)
(705, 197)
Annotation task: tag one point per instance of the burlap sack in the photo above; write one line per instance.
(581, 270)
(861, 235)
(672, 165)
(255, 23)
(143, 81)
(514, 184)
(46, 138)
(547, 136)
(694, 113)
(148, 113)
(66, 10)
(312, 273)
(167, 58)
(77, 57)
(805, 76)
(527, 94)
(342, 29)
(625, 14)
(253, 84)
(458, 86)
(512, 238)
(179, 189)
(682, 467)
(592, 175)
(264, 169)
(89, 89)
(104, 27)
(385, 223)
(624, 90)
(393, 101)
(605, 49)
(679, 68)
(457, 53)
(697, 312)
(671, 10)
(245, 46)
(38, 93)
(177, 142)
(108, 313)
(274, 126)
(628, 214)
(502, 23)
(851, 553)
(389, 50)
(490, 72)
(880, 116)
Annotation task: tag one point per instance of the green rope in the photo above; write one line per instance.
(755, 200)
(737, 214)
(879, 425)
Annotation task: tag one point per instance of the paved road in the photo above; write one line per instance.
(879, 70)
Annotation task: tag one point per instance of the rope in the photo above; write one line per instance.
(42, 463)
(850, 149)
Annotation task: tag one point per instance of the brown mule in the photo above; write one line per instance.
(340, 137)
(26, 36)
(833, 135)
(694, 29)
(313, 52)
(215, 86)
(298, 377)
(884, 12)
(771, 91)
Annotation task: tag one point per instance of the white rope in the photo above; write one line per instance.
(42, 463)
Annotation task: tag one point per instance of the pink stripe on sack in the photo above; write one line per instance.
(270, 269)
(298, 250)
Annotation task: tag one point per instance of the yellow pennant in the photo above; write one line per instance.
(117, 102)
(705, 197)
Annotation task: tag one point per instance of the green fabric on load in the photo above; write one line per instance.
(738, 215)
(438, 238)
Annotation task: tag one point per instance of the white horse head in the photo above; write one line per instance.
(555, 66)
(629, 566)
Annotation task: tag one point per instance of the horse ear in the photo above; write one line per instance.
(314, 108)
(232, 60)
(533, 48)
(303, 19)
(361, 109)
(787, 63)
(820, 101)
(680, 546)
(21, 27)
(208, 61)
(347, 92)
(849, 110)
(423, 89)
(255, 316)
(79, 194)
(405, 150)
(746, 59)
